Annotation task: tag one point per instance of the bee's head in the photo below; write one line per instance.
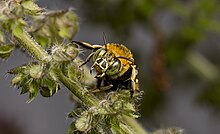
(106, 63)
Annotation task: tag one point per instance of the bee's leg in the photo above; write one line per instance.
(87, 45)
(99, 82)
(106, 88)
(87, 59)
(91, 69)
(100, 88)
(132, 88)
(133, 80)
(127, 84)
(98, 85)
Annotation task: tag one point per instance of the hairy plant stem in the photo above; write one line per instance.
(87, 98)
(77, 89)
(135, 125)
(31, 45)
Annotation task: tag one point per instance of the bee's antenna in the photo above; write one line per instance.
(131, 60)
(106, 47)
(104, 37)
(105, 42)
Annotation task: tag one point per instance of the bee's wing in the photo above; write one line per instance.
(87, 45)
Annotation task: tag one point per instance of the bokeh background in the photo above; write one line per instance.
(175, 45)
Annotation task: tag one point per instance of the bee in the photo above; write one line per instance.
(114, 64)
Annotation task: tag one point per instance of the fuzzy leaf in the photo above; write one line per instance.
(31, 7)
(43, 40)
(115, 128)
(72, 114)
(83, 122)
(132, 115)
(71, 129)
(72, 20)
(5, 51)
(22, 22)
(64, 32)
(73, 73)
(52, 74)
(50, 84)
(36, 71)
(46, 92)
(17, 79)
(17, 29)
(17, 70)
(129, 107)
(24, 89)
(49, 88)
(71, 50)
(2, 36)
(67, 24)
(33, 90)
(128, 129)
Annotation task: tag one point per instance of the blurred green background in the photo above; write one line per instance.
(175, 45)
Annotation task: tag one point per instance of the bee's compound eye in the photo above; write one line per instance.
(99, 60)
(98, 53)
(102, 52)
(114, 68)
(104, 64)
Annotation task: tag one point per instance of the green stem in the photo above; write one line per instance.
(135, 125)
(77, 90)
(30, 44)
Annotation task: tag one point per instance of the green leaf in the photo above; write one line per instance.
(50, 84)
(132, 115)
(36, 71)
(71, 50)
(68, 24)
(49, 87)
(45, 92)
(17, 30)
(24, 89)
(130, 110)
(17, 79)
(43, 40)
(71, 128)
(73, 114)
(115, 128)
(17, 70)
(31, 7)
(128, 129)
(33, 90)
(129, 107)
(5, 51)
(83, 123)
(2, 36)
(64, 32)
(53, 75)
(73, 73)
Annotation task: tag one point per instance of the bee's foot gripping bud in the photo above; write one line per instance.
(131, 93)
